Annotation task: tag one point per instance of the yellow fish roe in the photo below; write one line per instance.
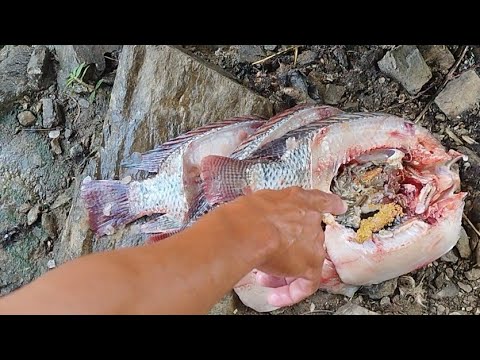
(384, 216)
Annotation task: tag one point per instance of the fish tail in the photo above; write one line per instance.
(107, 204)
(224, 179)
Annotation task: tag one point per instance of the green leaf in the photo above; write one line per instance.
(98, 84)
(84, 71)
(91, 98)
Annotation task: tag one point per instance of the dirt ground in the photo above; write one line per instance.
(344, 76)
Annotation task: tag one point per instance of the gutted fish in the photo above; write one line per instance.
(173, 184)
(401, 186)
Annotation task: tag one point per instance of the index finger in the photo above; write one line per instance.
(324, 202)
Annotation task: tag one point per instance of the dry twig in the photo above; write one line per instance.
(274, 55)
(471, 224)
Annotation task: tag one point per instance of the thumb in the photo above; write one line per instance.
(325, 202)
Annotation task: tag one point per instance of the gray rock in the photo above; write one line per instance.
(250, 53)
(49, 224)
(450, 290)
(56, 147)
(473, 274)
(52, 115)
(13, 74)
(306, 57)
(352, 309)
(465, 287)
(406, 65)
(150, 104)
(83, 103)
(40, 68)
(385, 301)
(459, 95)
(76, 151)
(70, 56)
(68, 133)
(381, 290)
(441, 309)
(341, 55)
(449, 272)
(54, 134)
(26, 118)
(463, 245)
(51, 264)
(450, 257)
(226, 306)
(440, 280)
(270, 47)
(438, 57)
(333, 94)
(32, 215)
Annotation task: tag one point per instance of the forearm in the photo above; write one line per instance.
(187, 273)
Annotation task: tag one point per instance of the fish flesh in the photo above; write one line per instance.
(172, 184)
(396, 177)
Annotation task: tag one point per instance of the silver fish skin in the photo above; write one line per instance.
(175, 184)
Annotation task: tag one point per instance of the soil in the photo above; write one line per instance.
(344, 76)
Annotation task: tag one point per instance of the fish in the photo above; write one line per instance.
(404, 183)
(275, 127)
(172, 184)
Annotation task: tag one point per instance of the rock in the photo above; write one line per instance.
(13, 74)
(250, 53)
(52, 115)
(406, 65)
(341, 56)
(333, 94)
(51, 264)
(149, 104)
(70, 56)
(473, 274)
(474, 160)
(306, 57)
(270, 47)
(32, 215)
(440, 117)
(440, 309)
(450, 257)
(438, 57)
(55, 145)
(54, 134)
(62, 199)
(83, 103)
(26, 118)
(465, 287)
(381, 290)
(440, 280)
(463, 245)
(385, 301)
(49, 224)
(450, 290)
(40, 68)
(24, 208)
(459, 95)
(226, 306)
(76, 151)
(68, 133)
(352, 309)
(449, 272)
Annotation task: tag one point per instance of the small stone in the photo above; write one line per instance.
(459, 95)
(32, 215)
(469, 308)
(465, 287)
(83, 103)
(473, 274)
(39, 68)
(126, 180)
(76, 151)
(381, 290)
(24, 208)
(385, 301)
(477, 311)
(51, 264)
(270, 47)
(463, 244)
(54, 134)
(450, 257)
(333, 94)
(55, 145)
(451, 290)
(381, 80)
(68, 133)
(306, 57)
(352, 309)
(440, 309)
(26, 118)
(437, 57)
(62, 199)
(341, 56)
(449, 272)
(440, 117)
(49, 224)
(406, 65)
(51, 113)
(456, 313)
(440, 280)
(250, 53)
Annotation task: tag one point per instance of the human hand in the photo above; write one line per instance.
(292, 219)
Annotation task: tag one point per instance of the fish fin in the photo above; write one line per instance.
(163, 223)
(161, 236)
(151, 160)
(107, 204)
(223, 178)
